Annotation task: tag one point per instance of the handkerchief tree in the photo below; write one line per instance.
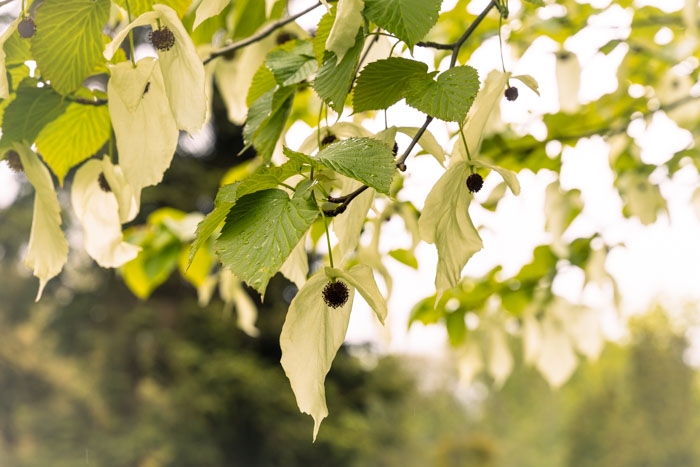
(97, 94)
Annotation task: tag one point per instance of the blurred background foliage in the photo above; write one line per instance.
(92, 375)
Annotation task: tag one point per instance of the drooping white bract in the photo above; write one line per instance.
(445, 222)
(48, 249)
(182, 68)
(445, 219)
(143, 123)
(313, 332)
(100, 213)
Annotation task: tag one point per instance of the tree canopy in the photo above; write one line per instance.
(98, 96)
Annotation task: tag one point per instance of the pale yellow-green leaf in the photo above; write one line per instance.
(208, 9)
(486, 101)
(47, 251)
(138, 7)
(74, 136)
(340, 130)
(233, 294)
(559, 208)
(68, 41)
(348, 19)
(370, 256)
(500, 358)
(532, 336)
(427, 141)
(143, 123)
(530, 82)
(98, 212)
(470, 362)
(642, 199)
(184, 228)
(445, 221)
(296, 266)
(361, 278)
(128, 198)
(311, 336)
(568, 73)
(198, 271)
(348, 225)
(182, 69)
(183, 74)
(557, 360)
(233, 76)
(4, 85)
(509, 176)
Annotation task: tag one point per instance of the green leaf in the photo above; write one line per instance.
(68, 42)
(383, 83)
(264, 179)
(449, 98)
(409, 20)
(266, 119)
(311, 336)
(334, 79)
(263, 81)
(456, 327)
(30, 111)
(291, 65)
(74, 136)
(364, 159)
(535, 2)
(139, 7)
(405, 257)
(261, 230)
(322, 33)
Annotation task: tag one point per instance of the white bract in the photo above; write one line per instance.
(47, 251)
(101, 212)
(313, 332)
(144, 126)
(183, 71)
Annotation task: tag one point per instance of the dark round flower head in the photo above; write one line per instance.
(14, 162)
(328, 139)
(336, 294)
(284, 37)
(511, 93)
(26, 27)
(475, 182)
(104, 184)
(162, 39)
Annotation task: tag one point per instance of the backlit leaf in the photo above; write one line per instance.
(449, 98)
(409, 20)
(77, 26)
(364, 159)
(260, 232)
(74, 136)
(384, 82)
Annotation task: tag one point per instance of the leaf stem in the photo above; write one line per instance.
(131, 36)
(259, 36)
(328, 239)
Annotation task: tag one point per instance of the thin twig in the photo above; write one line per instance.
(343, 201)
(259, 36)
